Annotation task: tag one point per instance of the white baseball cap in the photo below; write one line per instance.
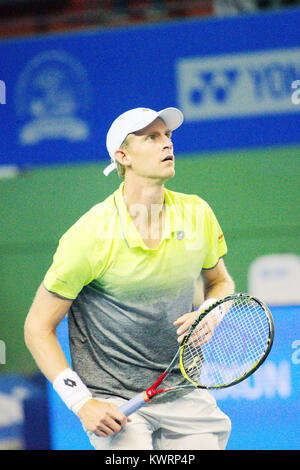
(133, 121)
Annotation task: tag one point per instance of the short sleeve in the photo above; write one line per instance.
(71, 268)
(217, 247)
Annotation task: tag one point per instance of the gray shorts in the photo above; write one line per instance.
(193, 422)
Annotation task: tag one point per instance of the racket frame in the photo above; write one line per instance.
(254, 367)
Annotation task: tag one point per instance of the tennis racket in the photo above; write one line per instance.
(224, 345)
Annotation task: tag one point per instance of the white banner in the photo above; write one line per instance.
(236, 85)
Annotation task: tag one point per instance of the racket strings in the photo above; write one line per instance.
(237, 344)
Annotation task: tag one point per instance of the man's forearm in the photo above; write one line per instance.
(45, 314)
(46, 351)
(52, 362)
(220, 289)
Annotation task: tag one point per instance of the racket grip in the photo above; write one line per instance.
(133, 404)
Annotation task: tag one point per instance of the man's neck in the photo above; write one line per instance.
(146, 197)
(145, 204)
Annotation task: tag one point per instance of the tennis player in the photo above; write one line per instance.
(126, 273)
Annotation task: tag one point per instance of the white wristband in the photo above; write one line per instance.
(70, 388)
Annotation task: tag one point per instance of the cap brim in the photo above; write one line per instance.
(172, 117)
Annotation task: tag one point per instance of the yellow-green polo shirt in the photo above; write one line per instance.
(104, 247)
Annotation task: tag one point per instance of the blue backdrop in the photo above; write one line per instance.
(264, 409)
(233, 79)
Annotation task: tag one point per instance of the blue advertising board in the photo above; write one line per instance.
(235, 79)
(23, 412)
(264, 409)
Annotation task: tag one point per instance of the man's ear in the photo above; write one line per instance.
(122, 157)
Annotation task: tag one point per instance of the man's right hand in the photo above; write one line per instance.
(102, 418)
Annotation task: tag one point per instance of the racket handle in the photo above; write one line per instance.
(133, 404)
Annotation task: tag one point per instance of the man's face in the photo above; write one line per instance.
(150, 151)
